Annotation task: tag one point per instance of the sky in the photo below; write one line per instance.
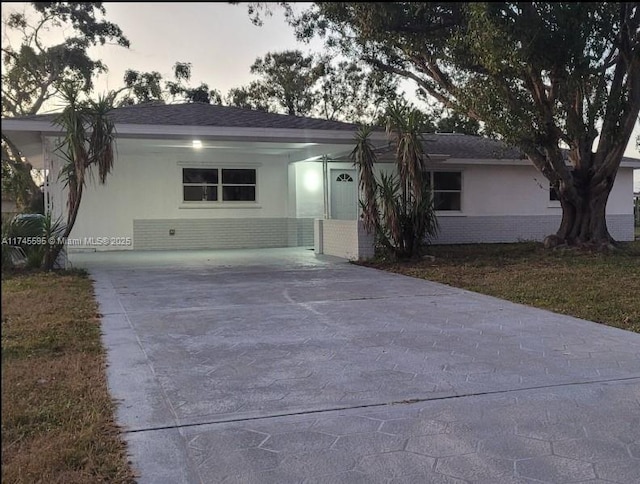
(218, 39)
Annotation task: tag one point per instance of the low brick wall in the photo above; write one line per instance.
(342, 238)
(499, 229)
(349, 240)
(238, 233)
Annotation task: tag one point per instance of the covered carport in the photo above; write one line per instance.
(193, 176)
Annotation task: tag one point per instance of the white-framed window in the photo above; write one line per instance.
(446, 188)
(219, 184)
(554, 195)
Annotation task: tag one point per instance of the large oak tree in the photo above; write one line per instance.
(561, 81)
(36, 71)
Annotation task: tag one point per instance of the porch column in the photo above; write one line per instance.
(325, 185)
(48, 173)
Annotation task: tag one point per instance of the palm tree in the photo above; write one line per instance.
(88, 144)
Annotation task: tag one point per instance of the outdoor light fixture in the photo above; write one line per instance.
(196, 143)
(311, 181)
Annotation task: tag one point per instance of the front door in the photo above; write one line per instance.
(344, 195)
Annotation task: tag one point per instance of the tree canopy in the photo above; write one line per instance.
(291, 82)
(143, 87)
(288, 78)
(560, 80)
(34, 72)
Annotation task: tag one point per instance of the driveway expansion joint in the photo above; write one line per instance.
(409, 401)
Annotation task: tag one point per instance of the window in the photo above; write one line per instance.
(446, 187)
(238, 185)
(219, 184)
(554, 195)
(344, 177)
(200, 184)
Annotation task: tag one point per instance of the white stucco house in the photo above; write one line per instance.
(196, 176)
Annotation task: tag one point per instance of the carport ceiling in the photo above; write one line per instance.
(295, 151)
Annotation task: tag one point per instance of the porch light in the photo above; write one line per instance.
(196, 143)
(311, 181)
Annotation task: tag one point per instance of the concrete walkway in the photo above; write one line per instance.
(276, 366)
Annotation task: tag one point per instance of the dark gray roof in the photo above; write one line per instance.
(463, 146)
(202, 114)
(467, 146)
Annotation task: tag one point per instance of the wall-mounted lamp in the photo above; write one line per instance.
(311, 181)
(196, 143)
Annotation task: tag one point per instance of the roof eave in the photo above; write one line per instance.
(203, 132)
(236, 134)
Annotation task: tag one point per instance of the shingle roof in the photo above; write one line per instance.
(467, 146)
(462, 146)
(202, 114)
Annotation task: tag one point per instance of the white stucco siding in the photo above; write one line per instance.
(503, 190)
(309, 189)
(149, 188)
(522, 190)
(143, 201)
(309, 186)
(511, 204)
(621, 197)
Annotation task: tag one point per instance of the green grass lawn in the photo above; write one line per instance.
(599, 287)
(57, 415)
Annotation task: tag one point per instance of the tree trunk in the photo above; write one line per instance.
(584, 219)
(73, 205)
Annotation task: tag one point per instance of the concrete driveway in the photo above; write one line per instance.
(275, 366)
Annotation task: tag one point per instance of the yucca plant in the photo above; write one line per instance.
(364, 159)
(88, 144)
(31, 240)
(405, 125)
(12, 253)
(397, 208)
(53, 232)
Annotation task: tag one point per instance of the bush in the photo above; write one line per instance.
(29, 240)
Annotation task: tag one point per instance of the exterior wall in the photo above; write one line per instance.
(225, 233)
(521, 190)
(511, 204)
(343, 238)
(516, 228)
(300, 232)
(499, 204)
(309, 187)
(142, 200)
